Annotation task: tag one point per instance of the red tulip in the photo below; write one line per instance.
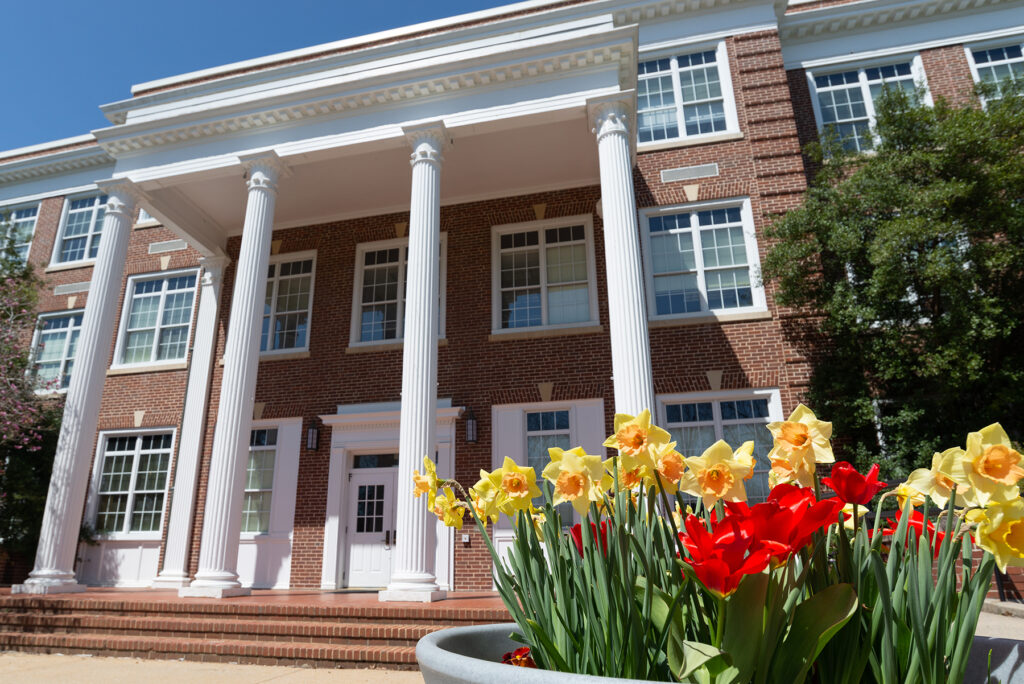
(917, 525)
(722, 557)
(787, 521)
(576, 534)
(851, 486)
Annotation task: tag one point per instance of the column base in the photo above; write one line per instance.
(412, 595)
(48, 588)
(170, 581)
(213, 592)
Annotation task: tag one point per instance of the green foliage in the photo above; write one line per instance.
(912, 256)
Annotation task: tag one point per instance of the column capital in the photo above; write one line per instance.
(612, 113)
(122, 196)
(428, 141)
(213, 269)
(263, 170)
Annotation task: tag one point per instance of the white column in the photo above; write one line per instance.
(222, 514)
(58, 537)
(412, 568)
(627, 311)
(193, 426)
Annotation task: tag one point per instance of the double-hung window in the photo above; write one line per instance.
(700, 259)
(997, 64)
(54, 351)
(544, 274)
(132, 483)
(21, 226)
(157, 319)
(696, 422)
(378, 302)
(685, 95)
(80, 229)
(844, 101)
(288, 303)
(259, 481)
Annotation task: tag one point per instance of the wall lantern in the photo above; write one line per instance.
(313, 438)
(470, 426)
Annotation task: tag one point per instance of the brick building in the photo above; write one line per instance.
(263, 315)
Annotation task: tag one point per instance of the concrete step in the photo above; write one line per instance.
(353, 633)
(302, 654)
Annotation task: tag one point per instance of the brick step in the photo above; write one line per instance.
(353, 633)
(227, 610)
(211, 650)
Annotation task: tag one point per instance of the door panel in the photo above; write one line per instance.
(371, 526)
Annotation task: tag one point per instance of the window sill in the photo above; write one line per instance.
(687, 142)
(128, 537)
(54, 268)
(282, 356)
(537, 333)
(148, 368)
(153, 223)
(713, 317)
(383, 347)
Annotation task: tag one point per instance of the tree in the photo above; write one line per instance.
(28, 422)
(909, 262)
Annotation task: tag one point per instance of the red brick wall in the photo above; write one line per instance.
(948, 73)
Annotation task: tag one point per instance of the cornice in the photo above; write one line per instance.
(609, 46)
(868, 14)
(44, 164)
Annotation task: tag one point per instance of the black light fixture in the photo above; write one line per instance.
(470, 426)
(313, 437)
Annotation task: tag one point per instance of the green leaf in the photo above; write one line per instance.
(815, 621)
(688, 656)
(744, 624)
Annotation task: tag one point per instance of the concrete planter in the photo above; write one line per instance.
(472, 655)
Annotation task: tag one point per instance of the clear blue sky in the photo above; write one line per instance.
(61, 59)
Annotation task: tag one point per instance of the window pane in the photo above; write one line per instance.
(568, 304)
(692, 441)
(138, 346)
(521, 308)
(729, 289)
(672, 252)
(675, 294)
(567, 264)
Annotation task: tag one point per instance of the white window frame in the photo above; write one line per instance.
(246, 490)
(146, 219)
(759, 305)
(94, 497)
(285, 483)
(988, 45)
(122, 330)
(277, 260)
(37, 334)
(95, 230)
(402, 244)
(8, 232)
(772, 394)
(732, 125)
(587, 221)
(916, 72)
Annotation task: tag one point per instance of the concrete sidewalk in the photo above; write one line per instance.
(31, 668)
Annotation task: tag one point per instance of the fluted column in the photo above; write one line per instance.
(58, 536)
(222, 515)
(627, 312)
(193, 427)
(412, 568)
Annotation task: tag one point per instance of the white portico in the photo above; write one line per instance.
(546, 103)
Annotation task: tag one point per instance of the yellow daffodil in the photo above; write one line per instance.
(1001, 533)
(669, 464)
(484, 495)
(907, 492)
(989, 467)
(517, 487)
(578, 477)
(931, 481)
(800, 443)
(633, 438)
(538, 519)
(449, 509)
(425, 483)
(715, 474)
(745, 455)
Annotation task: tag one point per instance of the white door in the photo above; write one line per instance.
(371, 526)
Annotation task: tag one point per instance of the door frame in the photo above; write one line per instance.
(368, 428)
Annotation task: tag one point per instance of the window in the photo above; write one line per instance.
(378, 301)
(701, 258)
(54, 350)
(845, 100)
(997, 64)
(133, 483)
(287, 306)
(157, 319)
(80, 232)
(544, 274)
(145, 218)
(546, 429)
(697, 423)
(684, 96)
(21, 226)
(259, 481)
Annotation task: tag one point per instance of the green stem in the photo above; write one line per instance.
(720, 627)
